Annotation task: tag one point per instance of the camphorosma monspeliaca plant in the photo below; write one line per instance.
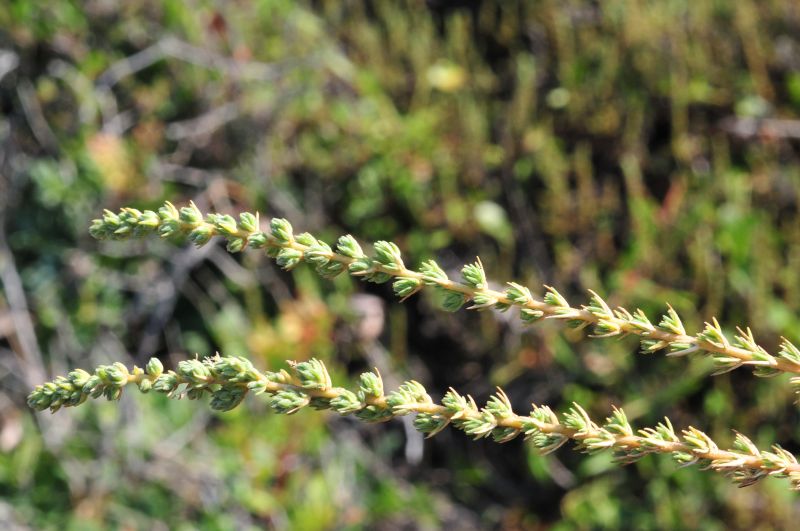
(229, 379)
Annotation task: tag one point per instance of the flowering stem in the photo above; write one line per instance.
(229, 379)
(290, 249)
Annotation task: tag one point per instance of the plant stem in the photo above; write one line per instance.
(229, 379)
(387, 264)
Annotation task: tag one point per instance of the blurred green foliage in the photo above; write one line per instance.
(647, 150)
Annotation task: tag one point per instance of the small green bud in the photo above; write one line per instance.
(37, 399)
(554, 298)
(168, 212)
(99, 231)
(411, 392)
(116, 374)
(545, 443)
(79, 377)
(430, 424)
(129, 219)
(235, 245)
(684, 458)
(638, 319)
(154, 367)
(257, 386)
(149, 220)
(145, 385)
(577, 419)
(122, 232)
(305, 238)
(504, 434)
(166, 383)
(789, 352)
(201, 235)
(227, 398)
(712, 333)
(474, 275)
(190, 214)
(652, 345)
(371, 385)
(195, 371)
(671, 322)
(453, 300)
(248, 221)
(288, 258)
(457, 404)
(518, 294)
(169, 228)
(312, 374)
(112, 393)
(432, 272)
(318, 254)
(111, 219)
(378, 277)
(618, 423)
(479, 427)
(234, 369)
(698, 440)
(482, 301)
(280, 376)
(605, 328)
(373, 413)
(388, 254)
(530, 316)
(360, 266)
(93, 386)
(405, 287)
(348, 246)
(319, 403)
(544, 415)
(598, 307)
(287, 401)
(128, 215)
(346, 402)
(281, 229)
(499, 406)
(258, 240)
(330, 270)
(224, 223)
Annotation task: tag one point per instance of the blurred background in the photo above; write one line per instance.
(645, 149)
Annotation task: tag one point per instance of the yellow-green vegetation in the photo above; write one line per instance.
(646, 151)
